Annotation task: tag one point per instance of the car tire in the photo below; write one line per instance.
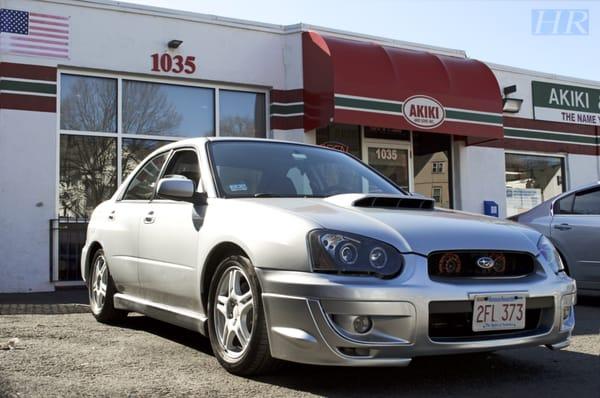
(237, 329)
(101, 291)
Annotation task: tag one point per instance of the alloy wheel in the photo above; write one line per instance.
(233, 312)
(99, 284)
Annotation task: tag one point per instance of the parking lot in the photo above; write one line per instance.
(69, 354)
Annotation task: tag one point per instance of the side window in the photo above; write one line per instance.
(587, 202)
(184, 163)
(142, 185)
(565, 205)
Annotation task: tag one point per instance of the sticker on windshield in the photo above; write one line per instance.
(238, 187)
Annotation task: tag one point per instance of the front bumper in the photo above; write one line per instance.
(309, 315)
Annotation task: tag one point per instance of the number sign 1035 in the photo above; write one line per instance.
(386, 154)
(176, 64)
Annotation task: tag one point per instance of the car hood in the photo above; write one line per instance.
(410, 230)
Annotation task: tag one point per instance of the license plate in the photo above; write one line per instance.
(498, 312)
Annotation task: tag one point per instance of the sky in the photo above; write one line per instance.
(497, 31)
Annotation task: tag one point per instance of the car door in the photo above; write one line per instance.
(168, 240)
(576, 231)
(121, 239)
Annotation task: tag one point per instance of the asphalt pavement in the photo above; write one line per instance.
(70, 354)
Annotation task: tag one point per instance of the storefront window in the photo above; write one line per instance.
(342, 137)
(135, 150)
(432, 167)
(532, 179)
(88, 173)
(242, 114)
(391, 162)
(88, 103)
(167, 110)
(152, 114)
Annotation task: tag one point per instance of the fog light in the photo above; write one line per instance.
(362, 324)
(567, 319)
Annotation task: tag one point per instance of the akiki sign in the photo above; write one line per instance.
(424, 112)
(568, 104)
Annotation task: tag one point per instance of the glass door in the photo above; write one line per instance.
(392, 159)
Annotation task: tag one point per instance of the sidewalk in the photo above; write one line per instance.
(71, 301)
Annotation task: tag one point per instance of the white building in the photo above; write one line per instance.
(88, 88)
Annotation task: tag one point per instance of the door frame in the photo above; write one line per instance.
(392, 144)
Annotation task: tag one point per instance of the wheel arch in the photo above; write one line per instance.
(217, 254)
(94, 247)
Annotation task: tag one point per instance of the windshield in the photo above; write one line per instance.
(270, 169)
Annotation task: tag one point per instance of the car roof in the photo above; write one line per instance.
(576, 189)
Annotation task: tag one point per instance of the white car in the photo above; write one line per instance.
(278, 250)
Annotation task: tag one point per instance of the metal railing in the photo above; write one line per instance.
(67, 237)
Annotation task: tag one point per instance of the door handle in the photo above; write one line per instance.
(149, 218)
(563, 227)
(111, 216)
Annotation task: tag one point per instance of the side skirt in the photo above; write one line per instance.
(184, 318)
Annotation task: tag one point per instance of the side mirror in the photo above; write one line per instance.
(177, 188)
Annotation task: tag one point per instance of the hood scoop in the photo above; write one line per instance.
(383, 201)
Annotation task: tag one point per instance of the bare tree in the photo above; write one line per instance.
(237, 126)
(147, 110)
(90, 104)
(88, 172)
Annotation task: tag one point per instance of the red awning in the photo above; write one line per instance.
(347, 81)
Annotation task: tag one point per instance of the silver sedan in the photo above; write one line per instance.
(283, 251)
(572, 222)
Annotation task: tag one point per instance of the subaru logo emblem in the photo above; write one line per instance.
(485, 262)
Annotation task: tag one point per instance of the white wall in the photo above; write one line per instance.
(119, 39)
(582, 169)
(308, 137)
(507, 76)
(27, 198)
(481, 177)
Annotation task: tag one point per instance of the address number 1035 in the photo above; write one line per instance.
(165, 62)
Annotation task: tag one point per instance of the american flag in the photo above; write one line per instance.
(35, 34)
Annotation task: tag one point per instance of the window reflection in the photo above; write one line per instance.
(167, 110)
(143, 183)
(88, 103)
(343, 137)
(88, 173)
(433, 174)
(530, 180)
(135, 150)
(241, 114)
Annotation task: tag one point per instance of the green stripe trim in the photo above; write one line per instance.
(379, 106)
(371, 105)
(30, 87)
(554, 136)
(287, 109)
(475, 117)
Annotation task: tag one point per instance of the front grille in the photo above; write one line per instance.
(451, 321)
(465, 264)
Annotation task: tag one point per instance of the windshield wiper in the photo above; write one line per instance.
(267, 195)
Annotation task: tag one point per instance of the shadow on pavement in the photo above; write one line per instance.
(520, 372)
(167, 331)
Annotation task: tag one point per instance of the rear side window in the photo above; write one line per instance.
(143, 183)
(184, 163)
(587, 202)
(565, 205)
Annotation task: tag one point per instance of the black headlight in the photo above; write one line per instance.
(334, 251)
